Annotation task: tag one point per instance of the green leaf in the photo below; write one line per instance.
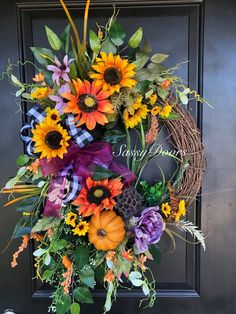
(15, 80)
(145, 288)
(113, 136)
(22, 160)
(47, 260)
(159, 58)
(162, 93)
(64, 307)
(156, 253)
(86, 275)
(11, 183)
(146, 48)
(135, 40)
(108, 46)
(83, 295)
(46, 223)
(81, 256)
(75, 308)
(101, 173)
(94, 41)
(65, 38)
(47, 274)
(59, 245)
(183, 96)
(39, 252)
(53, 39)
(172, 116)
(141, 60)
(143, 86)
(19, 231)
(100, 273)
(39, 53)
(27, 96)
(73, 71)
(117, 34)
(27, 205)
(19, 92)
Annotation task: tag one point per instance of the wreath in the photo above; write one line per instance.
(92, 216)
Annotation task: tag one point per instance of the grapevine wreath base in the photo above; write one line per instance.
(93, 218)
(186, 137)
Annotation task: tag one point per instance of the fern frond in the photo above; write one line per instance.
(189, 227)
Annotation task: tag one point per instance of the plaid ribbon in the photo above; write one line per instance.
(74, 181)
(36, 115)
(82, 137)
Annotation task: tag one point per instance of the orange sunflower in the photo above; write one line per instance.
(90, 104)
(98, 195)
(113, 72)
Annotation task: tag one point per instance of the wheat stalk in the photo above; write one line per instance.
(188, 226)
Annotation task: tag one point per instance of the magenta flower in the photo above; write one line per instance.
(149, 229)
(60, 101)
(60, 70)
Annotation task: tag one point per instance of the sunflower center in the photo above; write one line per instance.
(54, 116)
(97, 194)
(53, 139)
(112, 76)
(101, 233)
(81, 227)
(88, 103)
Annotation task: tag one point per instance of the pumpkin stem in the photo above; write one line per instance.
(101, 232)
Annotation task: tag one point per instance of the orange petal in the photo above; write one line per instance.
(90, 121)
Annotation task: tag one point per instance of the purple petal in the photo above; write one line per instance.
(58, 63)
(65, 77)
(53, 68)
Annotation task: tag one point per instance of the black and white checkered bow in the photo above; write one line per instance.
(36, 115)
(74, 184)
(82, 137)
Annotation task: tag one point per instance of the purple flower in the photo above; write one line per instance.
(60, 70)
(149, 229)
(60, 101)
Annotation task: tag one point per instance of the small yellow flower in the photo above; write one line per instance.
(165, 112)
(40, 93)
(166, 209)
(134, 114)
(53, 114)
(181, 210)
(153, 99)
(71, 219)
(156, 110)
(81, 229)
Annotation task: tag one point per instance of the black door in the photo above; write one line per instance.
(189, 281)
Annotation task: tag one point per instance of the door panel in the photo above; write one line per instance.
(189, 281)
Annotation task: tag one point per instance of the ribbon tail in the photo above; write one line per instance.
(122, 170)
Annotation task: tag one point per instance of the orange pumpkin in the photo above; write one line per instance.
(106, 231)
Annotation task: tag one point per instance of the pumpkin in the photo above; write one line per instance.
(106, 231)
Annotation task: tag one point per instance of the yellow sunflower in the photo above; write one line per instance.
(40, 92)
(81, 229)
(53, 114)
(51, 140)
(113, 72)
(71, 219)
(134, 114)
(165, 112)
(181, 210)
(166, 209)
